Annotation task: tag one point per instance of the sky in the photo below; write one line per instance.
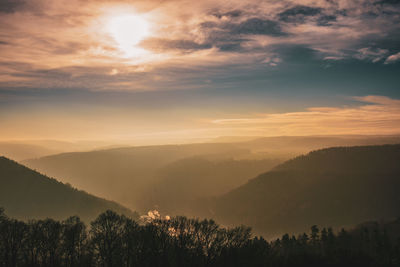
(177, 70)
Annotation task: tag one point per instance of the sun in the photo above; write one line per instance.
(127, 31)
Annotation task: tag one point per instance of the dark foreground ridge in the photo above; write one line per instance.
(27, 194)
(116, 240)
(330, 187)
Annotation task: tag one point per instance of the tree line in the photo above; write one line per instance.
(113, 240)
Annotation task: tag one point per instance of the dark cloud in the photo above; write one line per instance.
(299, 13)
(230, 35)
(253, 26)
(229, 14)
(159, 45)
(296, 53)
(11, 6)
(388, 2)
(208, 25)
(230, 46)
(225, 41)
(326, 20)
(376, 9)
(257, 26)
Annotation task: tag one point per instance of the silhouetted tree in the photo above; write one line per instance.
(115, 240)
(12, 238)
(49, 242)
(74, 243)
(106, 238)
(32, 244)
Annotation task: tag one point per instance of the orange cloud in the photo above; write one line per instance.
(377, 115)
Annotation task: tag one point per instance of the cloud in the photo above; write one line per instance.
(232, 35)
(257, 26)
(393, 58)
(161, 45)
(272, 60)
(326, 20)
(377, 115)
(303, 14)
(299, 13)
(11, 6)
(229, 14)
(53, 37)
(380, 100)
(333, 58)
(371, 54)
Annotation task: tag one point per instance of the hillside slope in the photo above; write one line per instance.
(124, 174)
(297, 145)
(27, 194)
(182, 186)
(332, 187)
(135, 176)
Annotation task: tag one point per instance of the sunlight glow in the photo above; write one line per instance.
(127, 31)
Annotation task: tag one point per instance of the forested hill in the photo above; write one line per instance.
(383, 158)
(123, 174)
(27, 194)
(336, 186)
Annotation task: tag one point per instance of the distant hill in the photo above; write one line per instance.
(27, 194)
(337, 187)
(28, 149)
(296, 145)
(22, 151)
(141, 177)
(123, 174)
(180, 187)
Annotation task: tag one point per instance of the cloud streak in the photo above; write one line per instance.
(393, 58)
(377, 115)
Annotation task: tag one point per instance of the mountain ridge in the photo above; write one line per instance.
(313, 189)
(28, 194)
